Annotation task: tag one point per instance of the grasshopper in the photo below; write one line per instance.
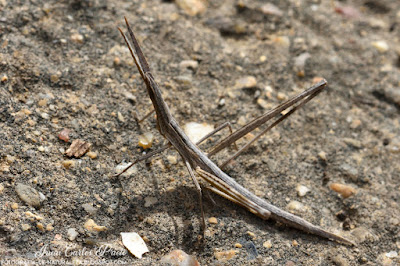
(198, 162)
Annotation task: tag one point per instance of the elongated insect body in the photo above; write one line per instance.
(194, 158)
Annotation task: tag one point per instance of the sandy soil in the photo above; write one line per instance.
(63, 64)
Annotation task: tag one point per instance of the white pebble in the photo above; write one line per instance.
(300, 61)
(283, 41)
(189, 64)
(45, 116)
(131, 171)
(76, 37)
(322, 155)
(271, 9)
(172, 159)
(246, 82)
(146, 140)
(195, 131)
(148, 201)
(135, 244)
(42, 196)
(381, 46)
(302, 190)
(72, 234)
(120, 117)
(295, 206)
(391, 254)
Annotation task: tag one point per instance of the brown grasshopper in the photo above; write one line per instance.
(197, 161)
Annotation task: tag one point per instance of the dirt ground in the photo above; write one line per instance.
(63, 64)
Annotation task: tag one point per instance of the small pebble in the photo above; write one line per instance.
(339, 260)
(300, 60)
(130, 96)
(92, 155)
(1, 188)
(317, 79)
(150, 220)
(238, 245)
(242, 121)
(49, 227)
(25, 111)
(42, 102)
(344, 190)
(251, 234)
(10, 159)
(394, 148)
(131, 171)
(381, 46)
(146, 140)
(14, 206)
(271, 9)
(284, 41)
(192, 64)
(267, 244)
(355, 123)
(353, 143)
(78, 148)
(72, 234)
(184, 81)
(172, 159)
(25, 227)
(212, 220)
(120, 117)
(281, 96)
(148, 201)
(55, 77)
(391, 254)
(348, 11)
(89, 208)
(4, 78)
(246, 82)
(301, 73)
(33, 217)
(117, 61)
(91, 226)
(221, 102)
(302, 190)
(264, 104)
(30, 122)
(349, 171)
(322, 155)
(40, 226)
(295, 243)
(224, 256)
(77, 38)
(290, 263)
(195, 131)
(295, 206)
(384, 261)
(64, 134)
(68, 164)
(28, 195)
(41, 195)
(45, 116)
(135, 244)
(178, 257)
(192, 7)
